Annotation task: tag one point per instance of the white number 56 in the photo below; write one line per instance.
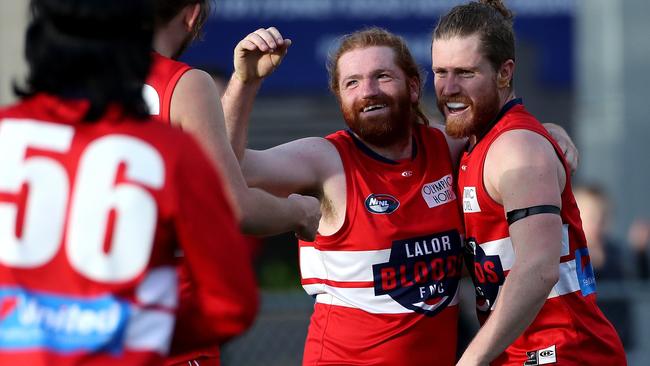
(29, 167)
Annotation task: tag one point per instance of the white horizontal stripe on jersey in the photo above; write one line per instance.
(568, 281)
(364, 299)
(504, 249)
(566, 284)
(340, 266)
(568, 278)
(160, 287)
(151, 322)
(149, 330)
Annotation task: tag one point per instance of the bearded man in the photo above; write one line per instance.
(535, 288)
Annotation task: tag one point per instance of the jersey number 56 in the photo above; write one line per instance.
(87, 212)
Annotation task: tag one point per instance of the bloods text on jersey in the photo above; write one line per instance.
(422, 273)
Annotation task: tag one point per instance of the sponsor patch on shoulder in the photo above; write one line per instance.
(439, 192)
(381, 203)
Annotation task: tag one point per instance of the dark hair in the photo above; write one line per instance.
(166, 10)
(490, 19)
(99, 50)
(375, 36)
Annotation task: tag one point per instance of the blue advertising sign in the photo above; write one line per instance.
(314, 26)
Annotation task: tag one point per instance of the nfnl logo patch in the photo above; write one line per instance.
(381, 203)
(422, 273)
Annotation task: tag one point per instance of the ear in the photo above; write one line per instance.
(505, 74)
(414, 88)
(190, 16)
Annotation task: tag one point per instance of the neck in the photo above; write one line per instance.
(163, 44)
(402, 149)
(505, 96)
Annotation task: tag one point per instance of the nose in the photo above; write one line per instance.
(369, 88)
(449, 85)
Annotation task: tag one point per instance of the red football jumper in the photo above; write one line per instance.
(159, 87)
(386, 283)
(569, 329)
(91, 216)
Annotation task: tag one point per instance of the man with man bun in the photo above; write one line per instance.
(535, 288)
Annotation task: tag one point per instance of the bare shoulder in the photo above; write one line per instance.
(519, 162)
(195, 79)
(517, 148)
(196, 99)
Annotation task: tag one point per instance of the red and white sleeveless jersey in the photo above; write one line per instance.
(91, 215)
(386, 283)
(159, 87)
(158, 90)
(569, 329)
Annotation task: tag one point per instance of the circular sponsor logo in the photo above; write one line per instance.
(381, 203)
(547, 353)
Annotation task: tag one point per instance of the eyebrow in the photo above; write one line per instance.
(456, 69)
(375, 72)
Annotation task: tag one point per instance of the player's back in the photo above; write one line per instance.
(91, 216)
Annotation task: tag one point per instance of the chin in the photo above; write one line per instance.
(458, 128)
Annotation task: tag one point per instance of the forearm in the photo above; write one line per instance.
(264, 214)
(522, 296)
(237, 104)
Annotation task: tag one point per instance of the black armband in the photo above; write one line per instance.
(520, 213)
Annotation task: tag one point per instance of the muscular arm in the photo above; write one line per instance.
(522, 170)
(195, 107)
(311, 166)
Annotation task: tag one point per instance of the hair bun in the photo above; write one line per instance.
(500, 7)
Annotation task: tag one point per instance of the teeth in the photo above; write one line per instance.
(456, 105)
(373, 107)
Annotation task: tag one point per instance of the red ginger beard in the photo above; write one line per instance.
(480, 114)
(385, 129)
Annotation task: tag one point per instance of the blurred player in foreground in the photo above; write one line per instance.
(385, 266)
(96, 199)
(188, 98)
(535, 287)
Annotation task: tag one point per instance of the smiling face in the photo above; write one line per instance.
(375, 95)
(466, 85)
